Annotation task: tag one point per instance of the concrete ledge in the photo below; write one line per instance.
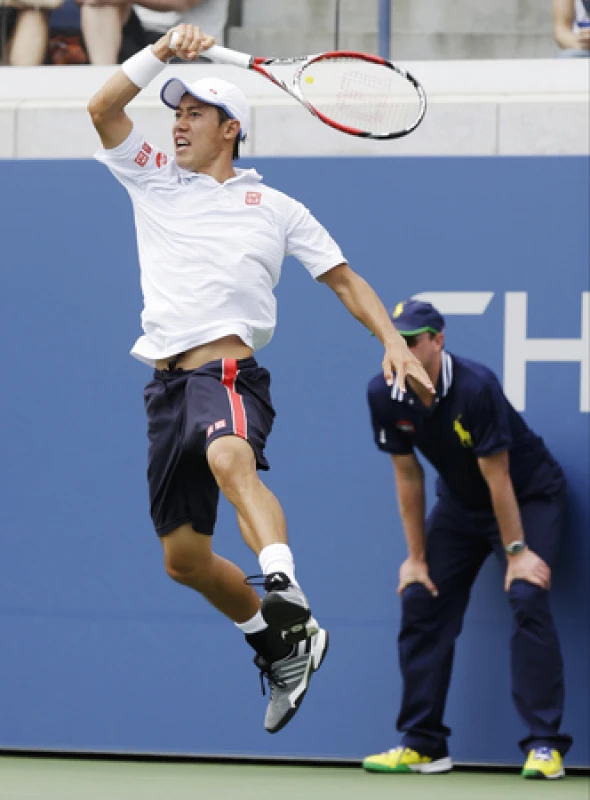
(7, 130)
(475, 108)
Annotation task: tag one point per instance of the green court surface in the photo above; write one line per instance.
(62, 779)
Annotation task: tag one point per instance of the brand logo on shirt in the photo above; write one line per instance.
(405, 425)
(253, 198)
(464, 436)
(161, 160)
(143, 156)
(217, 426)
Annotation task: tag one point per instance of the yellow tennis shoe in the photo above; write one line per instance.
(403, 759)
(543, 762)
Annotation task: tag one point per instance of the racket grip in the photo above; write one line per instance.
(218, 54)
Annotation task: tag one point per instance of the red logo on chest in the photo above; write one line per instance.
(253, 198)
(161, 160)
(405, 425)
(143, 156)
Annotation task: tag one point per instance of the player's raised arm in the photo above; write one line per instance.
(107, 106)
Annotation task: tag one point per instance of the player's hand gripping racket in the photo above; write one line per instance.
(356, 93)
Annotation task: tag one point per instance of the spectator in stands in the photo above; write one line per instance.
(108, 26)
(102, 26)
(58, 32)
(28, 43)
(158, 16)
(571, 27)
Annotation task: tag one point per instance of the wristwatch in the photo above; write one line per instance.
(514, 548)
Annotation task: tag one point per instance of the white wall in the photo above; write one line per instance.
(475, 108)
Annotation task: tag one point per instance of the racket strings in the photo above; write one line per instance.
(359, 94)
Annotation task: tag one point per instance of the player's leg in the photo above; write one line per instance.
(189, 559)
(536, 660)
(183, 506)
(426, 644)
(239, 400)
(205, 412)
(240, 419)
(262, 524)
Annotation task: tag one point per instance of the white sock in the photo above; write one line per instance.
(277, 558)
(254, 625)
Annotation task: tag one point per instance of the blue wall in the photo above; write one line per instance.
(99, 650)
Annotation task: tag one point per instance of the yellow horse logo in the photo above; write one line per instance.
(464, 436)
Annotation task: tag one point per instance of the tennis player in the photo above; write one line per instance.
(211, 242)
(499, 490)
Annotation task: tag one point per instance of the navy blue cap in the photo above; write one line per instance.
(413, 316)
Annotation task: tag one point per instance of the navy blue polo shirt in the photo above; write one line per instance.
(470, 418)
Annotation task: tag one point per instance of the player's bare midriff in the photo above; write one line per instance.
(226, 347)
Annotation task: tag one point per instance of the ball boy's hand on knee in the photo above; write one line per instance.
(415, 571)
(527, 566)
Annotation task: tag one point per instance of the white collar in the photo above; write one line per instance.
(187, 176)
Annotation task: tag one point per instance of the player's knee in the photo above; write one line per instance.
(229, 462)
(527, 600)
(187, 569)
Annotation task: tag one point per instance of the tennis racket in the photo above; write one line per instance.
(356, 93)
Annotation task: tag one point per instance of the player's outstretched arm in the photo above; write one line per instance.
(362, 302)
(107, 106)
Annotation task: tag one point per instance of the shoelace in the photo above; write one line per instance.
(272, 581)
(542, 754)
(254, 580)
(265, 672)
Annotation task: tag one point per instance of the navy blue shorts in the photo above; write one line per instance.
(186, 411)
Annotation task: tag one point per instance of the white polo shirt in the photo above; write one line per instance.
(210, 253)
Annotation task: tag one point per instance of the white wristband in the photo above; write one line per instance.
(143, 67)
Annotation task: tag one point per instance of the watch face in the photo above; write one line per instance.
(515, 547)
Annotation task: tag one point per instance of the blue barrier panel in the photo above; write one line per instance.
(100, 650)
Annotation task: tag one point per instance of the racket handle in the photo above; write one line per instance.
(218, 54)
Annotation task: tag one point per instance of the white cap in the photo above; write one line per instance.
(215, 92)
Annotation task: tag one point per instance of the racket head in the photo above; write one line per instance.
(361, 94)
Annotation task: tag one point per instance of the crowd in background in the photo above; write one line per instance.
(35, 32)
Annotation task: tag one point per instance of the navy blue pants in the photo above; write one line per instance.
(458, 542)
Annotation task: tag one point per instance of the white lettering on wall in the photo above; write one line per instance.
(519, 350)
(457, 302)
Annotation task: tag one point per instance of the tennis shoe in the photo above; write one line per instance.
(285, 608)
(289, 678)
(403, 759)
(543, 763)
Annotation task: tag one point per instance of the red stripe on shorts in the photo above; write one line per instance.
(238, 412)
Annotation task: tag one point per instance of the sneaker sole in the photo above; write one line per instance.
(534, 774)
(288, 618)
(439, 767)
(314, 668)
